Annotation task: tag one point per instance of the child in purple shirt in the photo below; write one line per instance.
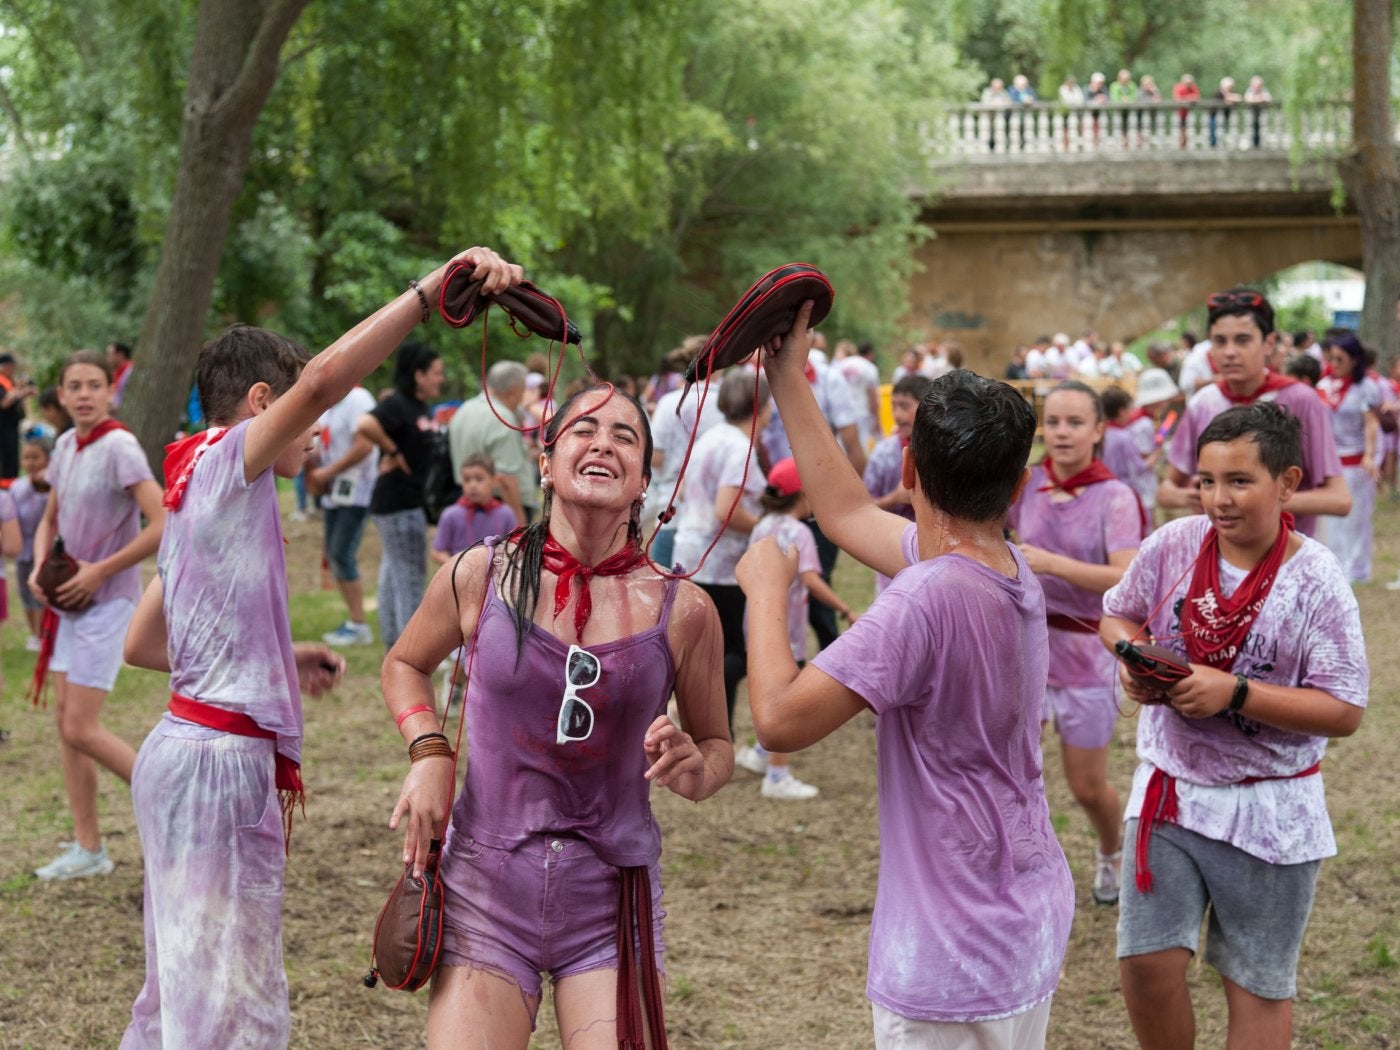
(1227, 811)
(474, 517)
(1242, 339)
(31, 496)
(1079, 528)
(974, 902)
(216, 778)
(884, 470)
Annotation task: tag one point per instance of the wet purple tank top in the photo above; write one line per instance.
(520, 782)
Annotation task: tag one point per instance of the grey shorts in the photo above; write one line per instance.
(1258, 911)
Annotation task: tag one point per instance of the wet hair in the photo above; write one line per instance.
(1114, 400)
(230, 364)
(914, 385)
(1074, 386)
(1263, 313)
(774, 502)
(86, 357)
(524, 549)
(1305, 367)
(737, 399)
(1351, 346)
(413, 357)
(1275, 431)
(971, 439)
(481, 460)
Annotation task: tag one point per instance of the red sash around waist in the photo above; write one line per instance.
(1061, 622)
(1159, 807)
(1353, 460)
(287, 773)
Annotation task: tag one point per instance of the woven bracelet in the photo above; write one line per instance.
(432, 749)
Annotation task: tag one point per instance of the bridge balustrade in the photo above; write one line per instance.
(1042, 128)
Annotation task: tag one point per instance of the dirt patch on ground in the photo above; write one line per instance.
(768, 902)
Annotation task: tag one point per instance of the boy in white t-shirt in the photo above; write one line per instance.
(1227, 810)
(216, 779)
(975, 899)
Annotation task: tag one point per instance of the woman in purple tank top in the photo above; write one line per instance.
(576, 645)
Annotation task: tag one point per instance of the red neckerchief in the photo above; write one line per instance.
(903, 441)
(473, 509)
(1272, 381)
(180, 460)
(1215, 627)
(810, 371)
(96, 433)
(1333, 390)
(286, 773)
(120, 373)
(1133, 417)
(564, 565)
(1094, 473)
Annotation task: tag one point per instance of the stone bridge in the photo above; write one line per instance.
(1118, 217)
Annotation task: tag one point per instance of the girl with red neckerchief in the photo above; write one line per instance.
(573, 646)
(1352, 398)
(1227, 811)
(1078, 528)
(100, 487)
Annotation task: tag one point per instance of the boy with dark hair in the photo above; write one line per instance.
(975, 898)
(1227, 809)
(884, 469)
(207, 780)
(1242, 338)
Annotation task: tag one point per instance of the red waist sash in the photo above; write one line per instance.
(1061, 622)
(1159, 807)
(287, 774)
(1353, 460)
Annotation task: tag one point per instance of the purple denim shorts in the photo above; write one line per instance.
(547, 906)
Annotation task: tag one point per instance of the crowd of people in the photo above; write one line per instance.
(1139, 96)
(1004, 591)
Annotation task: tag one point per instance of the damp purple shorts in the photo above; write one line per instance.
(547, 906)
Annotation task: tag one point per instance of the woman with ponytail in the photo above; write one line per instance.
(574, 644)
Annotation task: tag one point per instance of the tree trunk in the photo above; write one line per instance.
(1371, 174)
(233, 66)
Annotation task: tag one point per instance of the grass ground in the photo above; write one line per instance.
(768, 902)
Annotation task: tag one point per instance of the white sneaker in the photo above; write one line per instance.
(788, 787)
(1394, 585)
(1108, 875)
(77, 863)
(297, 516)
(33, 644)
(349, 634)
(751, 758)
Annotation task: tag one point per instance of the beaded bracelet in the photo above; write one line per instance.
(415, 710)
(422, 299)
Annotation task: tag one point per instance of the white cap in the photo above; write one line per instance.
(1060, 339)
(1154, 386)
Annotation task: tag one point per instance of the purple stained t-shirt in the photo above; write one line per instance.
(1349, 418)
(975, 898)
(1307, 634)
(790, 533)
(1122, 455)
(1320, 460)
(1102, 519)
(29, 507)
(224, 569)
(97, 515)
(459, 528)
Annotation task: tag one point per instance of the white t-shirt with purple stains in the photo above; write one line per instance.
(791, 533)
(1308, 634)
(719, 460)
(1320, 460)
(975, 899)
(97, 515)
(1349, 418)
(224, 569)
